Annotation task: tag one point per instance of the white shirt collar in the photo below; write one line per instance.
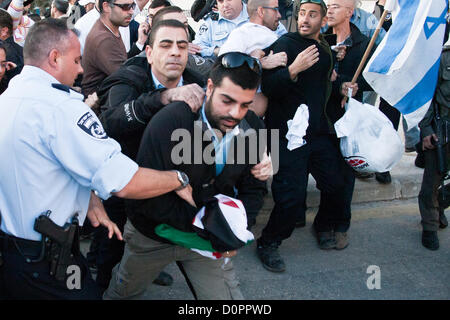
(45, 77)
(32, 71)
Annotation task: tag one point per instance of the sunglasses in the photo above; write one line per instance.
(125, 6)
(319, 2)
(232, 60)
(273, 8)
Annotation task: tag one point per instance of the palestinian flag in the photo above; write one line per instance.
(221, 225)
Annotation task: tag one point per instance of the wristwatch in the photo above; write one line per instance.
(183, 178)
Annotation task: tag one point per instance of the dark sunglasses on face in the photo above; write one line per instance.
(237, 59)
(125, 6)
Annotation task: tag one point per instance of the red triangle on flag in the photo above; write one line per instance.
(231, 203)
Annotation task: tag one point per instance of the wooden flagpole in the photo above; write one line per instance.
(368, 50)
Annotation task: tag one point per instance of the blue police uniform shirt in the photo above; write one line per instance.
(54, 151)
(214, 33)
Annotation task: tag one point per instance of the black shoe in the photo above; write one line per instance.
(410, 149)
(383, 177)
(270, 258)
(430, 240)
(420, 160)
(443, 223)
(164, 279)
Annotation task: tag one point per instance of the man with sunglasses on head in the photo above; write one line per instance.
(305, 80)
(230, 89)
(104, 49)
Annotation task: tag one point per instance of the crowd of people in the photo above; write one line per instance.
(90, 98)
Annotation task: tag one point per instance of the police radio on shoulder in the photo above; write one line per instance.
(183, 178)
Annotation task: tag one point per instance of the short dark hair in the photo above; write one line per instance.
(158, 16)
(61, 5)
(6, 20)
(243, 76)
(165, 23)
(100, 4)
(159, 3)
(44, 36)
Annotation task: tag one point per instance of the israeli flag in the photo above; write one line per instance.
(404, 68)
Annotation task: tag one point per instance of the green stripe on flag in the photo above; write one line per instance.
(185, 239)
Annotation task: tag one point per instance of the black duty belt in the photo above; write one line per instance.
(11, 244)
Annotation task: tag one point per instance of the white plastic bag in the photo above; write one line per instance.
(369, 142)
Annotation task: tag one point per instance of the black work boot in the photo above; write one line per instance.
(430, 240)
(269, 256)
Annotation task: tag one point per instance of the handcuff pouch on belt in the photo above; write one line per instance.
(58, 243)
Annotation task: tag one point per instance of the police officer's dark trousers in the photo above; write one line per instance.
(428, 195)
(109, 251)
(20, 278)
(320, 157)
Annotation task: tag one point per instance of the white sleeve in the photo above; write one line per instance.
(81, 145)
(235, 43)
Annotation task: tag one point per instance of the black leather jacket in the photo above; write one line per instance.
(128, 101)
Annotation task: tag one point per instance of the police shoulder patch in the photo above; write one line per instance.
(90, 124)
(203, 28)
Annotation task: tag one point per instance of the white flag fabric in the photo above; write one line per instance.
(404, 68)
(233, 211)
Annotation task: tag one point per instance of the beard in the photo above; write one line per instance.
(215, 120)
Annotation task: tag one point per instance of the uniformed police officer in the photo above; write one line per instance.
(213, 33)
(54, 153)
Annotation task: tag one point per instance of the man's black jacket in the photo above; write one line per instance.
(128, 101)
(312, 86)
(156, 152)
(346, 69)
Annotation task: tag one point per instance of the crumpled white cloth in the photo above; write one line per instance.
(297, 128)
